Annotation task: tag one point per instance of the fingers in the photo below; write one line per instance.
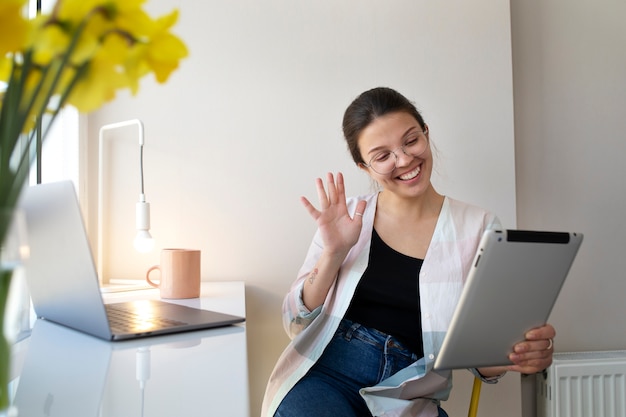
(532, 362)
(341, 188)
(332, 193)
(321, 194)
(332, 187)
(534, 346)
(360, 209)
(325, 198)
(310, 208)
(535, 353)
(544, 332)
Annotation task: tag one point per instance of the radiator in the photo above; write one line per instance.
(583, 384)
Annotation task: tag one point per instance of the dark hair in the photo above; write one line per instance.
(366, 108)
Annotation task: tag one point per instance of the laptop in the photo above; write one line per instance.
(63, 282)
(511, 288)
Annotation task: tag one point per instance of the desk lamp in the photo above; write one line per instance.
(143, 240)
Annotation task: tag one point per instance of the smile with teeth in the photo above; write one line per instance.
(411, 175)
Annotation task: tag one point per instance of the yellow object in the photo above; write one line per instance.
(81, 53)
(473, 409)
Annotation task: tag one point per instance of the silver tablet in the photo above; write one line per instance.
(511, 288)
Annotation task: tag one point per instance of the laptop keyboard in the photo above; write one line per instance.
(122, 320)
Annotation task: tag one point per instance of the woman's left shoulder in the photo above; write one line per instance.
(462, 206)
(467, 211)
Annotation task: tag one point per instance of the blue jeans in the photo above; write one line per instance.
(356, 357)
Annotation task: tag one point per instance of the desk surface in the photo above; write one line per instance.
(61, 372)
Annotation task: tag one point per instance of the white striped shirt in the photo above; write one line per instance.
(415, 390)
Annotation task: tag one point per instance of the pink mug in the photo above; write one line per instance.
(180, 273)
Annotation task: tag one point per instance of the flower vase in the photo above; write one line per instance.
(13, 250)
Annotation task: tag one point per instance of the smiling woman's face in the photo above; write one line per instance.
(411, 177)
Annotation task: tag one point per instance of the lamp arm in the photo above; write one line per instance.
(101, 160)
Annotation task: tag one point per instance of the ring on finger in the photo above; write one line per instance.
(550, 344)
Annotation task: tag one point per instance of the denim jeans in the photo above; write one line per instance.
(356, 357)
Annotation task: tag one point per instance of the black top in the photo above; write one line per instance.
(387, 297)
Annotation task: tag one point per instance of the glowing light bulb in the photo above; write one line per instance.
(143, 240)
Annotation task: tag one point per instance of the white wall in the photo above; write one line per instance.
(569, 66)
(570, 98)
(254, 115)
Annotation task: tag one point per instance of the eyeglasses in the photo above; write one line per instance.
(386, 161)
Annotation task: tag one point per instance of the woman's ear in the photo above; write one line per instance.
(362, 166)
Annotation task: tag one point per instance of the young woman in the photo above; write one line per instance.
(375, 295)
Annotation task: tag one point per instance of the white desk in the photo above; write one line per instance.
(61, 372)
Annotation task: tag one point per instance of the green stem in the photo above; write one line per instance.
(14, 114)
(80, 72)
(5, 347)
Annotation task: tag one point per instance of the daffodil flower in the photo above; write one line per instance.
(14, 27)
(81, 53)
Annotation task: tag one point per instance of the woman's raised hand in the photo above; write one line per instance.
(339, 231)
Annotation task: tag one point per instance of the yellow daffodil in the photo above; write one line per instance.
(165, 49)
(14, 27)
(75, 11)
(104, 75)
(97, 86)
(49, 41)
(136, 20)
(5, 70)
(81, 53)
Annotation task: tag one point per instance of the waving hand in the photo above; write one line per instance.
(339, 231)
